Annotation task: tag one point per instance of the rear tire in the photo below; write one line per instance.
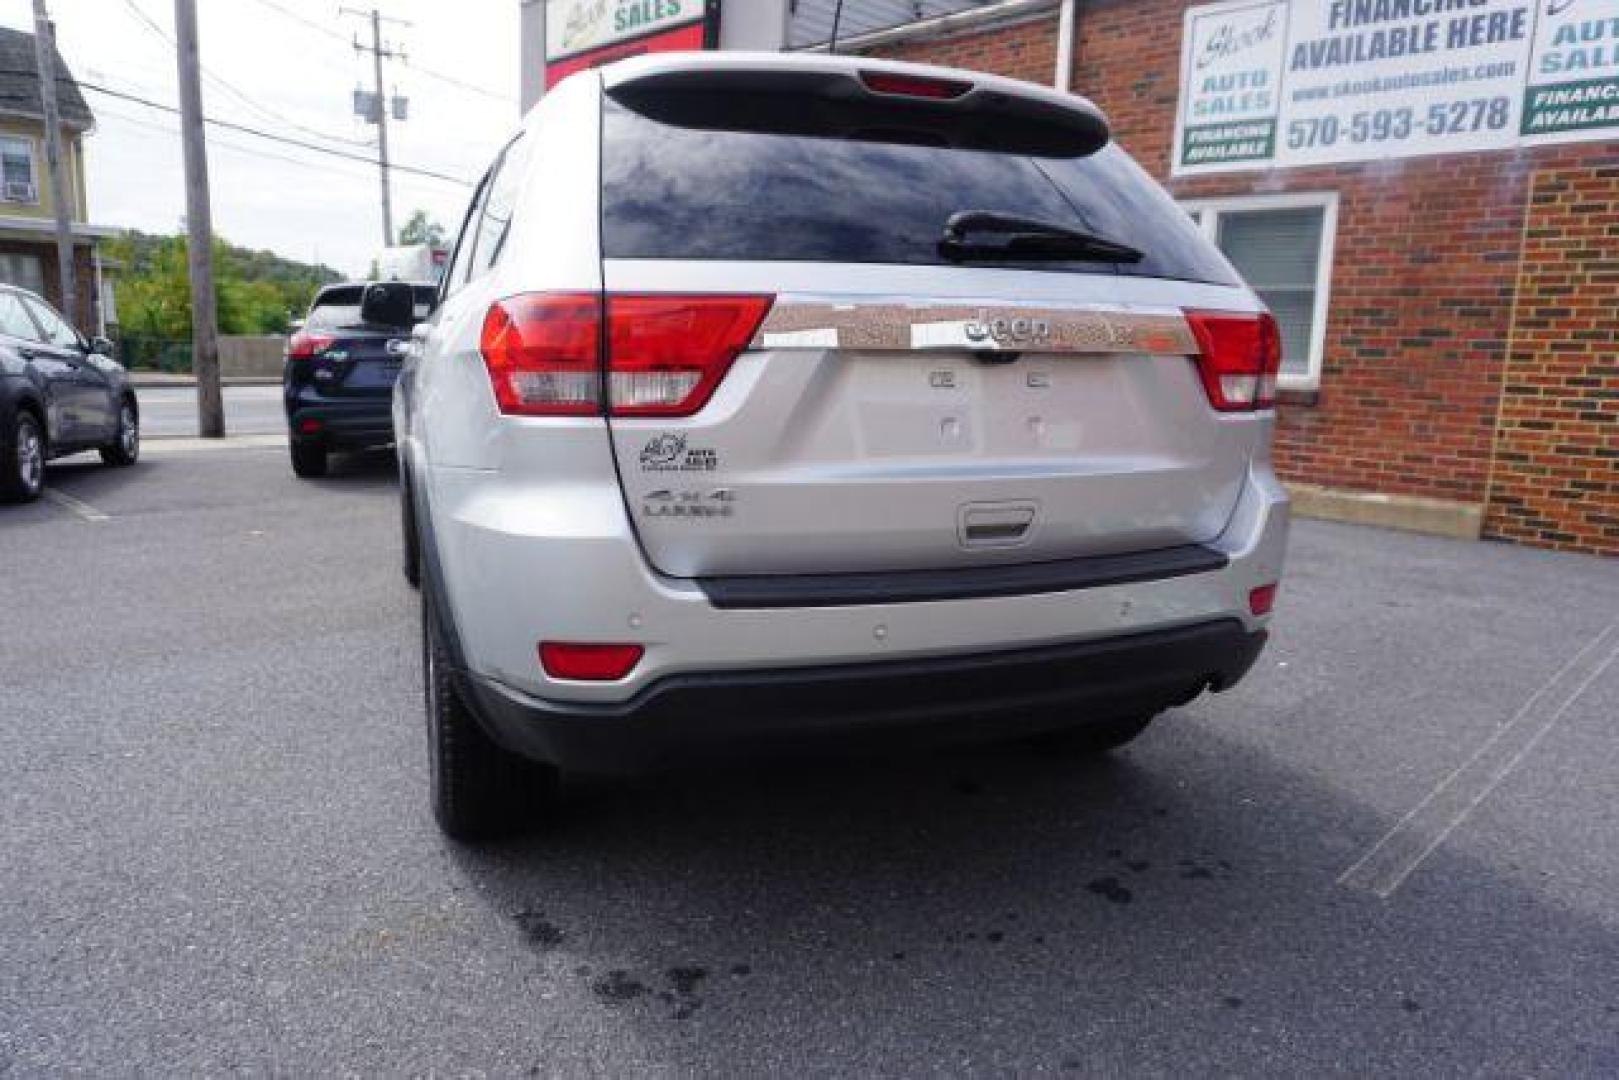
(22, 460)
(125, 448)
(479, 791)
(308, 459)
(1097, 737)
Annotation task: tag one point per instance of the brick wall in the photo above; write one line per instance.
(1556, 479)
(1022, 50)
(1428, 270)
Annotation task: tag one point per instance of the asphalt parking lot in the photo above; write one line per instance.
(1395, 849)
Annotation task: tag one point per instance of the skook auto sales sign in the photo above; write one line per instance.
(583, 34)
(1278, 83)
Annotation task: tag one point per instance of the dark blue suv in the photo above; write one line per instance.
(340, 371)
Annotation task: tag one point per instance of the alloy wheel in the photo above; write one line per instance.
(30, 456)
(129, 432)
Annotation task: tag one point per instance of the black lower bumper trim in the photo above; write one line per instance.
(991, 695)
(919, 586)
(349, 425)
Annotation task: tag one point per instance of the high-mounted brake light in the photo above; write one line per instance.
(1239, 357)
(589, 662)
(306, 346)
(664, 355)
(914, 86)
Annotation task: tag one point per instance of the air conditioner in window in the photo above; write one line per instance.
(20, 191)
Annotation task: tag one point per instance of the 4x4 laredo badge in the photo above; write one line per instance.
(695, 503)
(668, 453)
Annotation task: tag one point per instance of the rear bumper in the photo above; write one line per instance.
(697, 716)
(522, 561)
(345, 425)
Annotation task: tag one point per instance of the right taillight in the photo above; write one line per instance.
(1239, 356)
(549, 354)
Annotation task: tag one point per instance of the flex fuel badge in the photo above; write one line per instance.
(668, 452)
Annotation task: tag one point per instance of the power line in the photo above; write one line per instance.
(449, 80)
(310, 23)
(258, 133)
(246, 99)
(250, 151)
(453, 81)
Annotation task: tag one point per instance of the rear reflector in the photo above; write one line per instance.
(664, 354)
(1262, 599)
(1239, 358)
(304, 346)
(914, 86)
(583, 662)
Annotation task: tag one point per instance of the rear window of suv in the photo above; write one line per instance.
(339, 308)
(676, 192)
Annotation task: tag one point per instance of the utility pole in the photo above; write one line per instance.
(199, 226)
(45, 61)
(378, 113)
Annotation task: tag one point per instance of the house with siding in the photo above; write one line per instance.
(27, 213)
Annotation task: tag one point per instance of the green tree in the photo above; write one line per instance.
(420, 228)
(258, 292)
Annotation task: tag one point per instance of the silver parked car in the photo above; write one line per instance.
(771, 398)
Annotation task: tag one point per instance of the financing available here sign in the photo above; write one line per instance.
(1280, 83)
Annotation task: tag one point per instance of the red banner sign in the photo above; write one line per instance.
(688, 38)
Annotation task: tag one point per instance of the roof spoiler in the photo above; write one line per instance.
(856, 98)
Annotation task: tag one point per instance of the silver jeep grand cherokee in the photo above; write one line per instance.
(775, 397)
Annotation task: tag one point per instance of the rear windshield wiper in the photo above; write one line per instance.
(1008, 237)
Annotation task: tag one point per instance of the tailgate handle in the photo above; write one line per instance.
(996, 524)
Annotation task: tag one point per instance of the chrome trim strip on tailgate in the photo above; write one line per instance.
(894, 325)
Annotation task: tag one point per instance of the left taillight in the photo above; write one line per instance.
(543, 354)
(662, 355)
(306, 346)
(1239, 357)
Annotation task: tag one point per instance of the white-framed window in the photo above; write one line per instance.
(23, 271)
(17, 174)
(1282, 246)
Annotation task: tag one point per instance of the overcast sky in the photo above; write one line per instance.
(295, 79)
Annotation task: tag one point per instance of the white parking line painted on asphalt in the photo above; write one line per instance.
(1403, 848)
(74, 506)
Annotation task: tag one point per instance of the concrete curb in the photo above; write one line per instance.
(154, 380)
(166, 444)
(1437, 517)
